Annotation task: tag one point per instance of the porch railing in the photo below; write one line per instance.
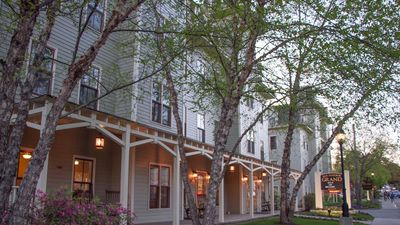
(112, 196)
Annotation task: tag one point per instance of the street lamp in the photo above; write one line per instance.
(340, 138)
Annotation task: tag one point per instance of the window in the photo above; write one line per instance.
(159, 186)
(201, 135)
(83, 178)
(96, 14)
(262, 151)
(161, 109)
(272, 142)
(250, 142)
(89, 88)
(249, 99)
(45, 74)
(250, 102)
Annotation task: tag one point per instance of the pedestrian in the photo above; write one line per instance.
(385, 195)
(391, 196)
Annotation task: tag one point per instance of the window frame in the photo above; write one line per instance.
(251, 142)
(74, 157)
(160, 104)
(89, 87)
(201, 132)
(53, 67)
(102, 10)
(160, 165)
(270, 142)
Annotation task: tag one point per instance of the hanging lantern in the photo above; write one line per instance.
(27, 155)
(231, 168)
(99, 143)
(245, 178)
(264, 174)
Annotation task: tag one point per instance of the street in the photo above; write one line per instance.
(389, 214)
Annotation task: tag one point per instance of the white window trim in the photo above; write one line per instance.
(148, 186)
(98, 86)
(93, 175)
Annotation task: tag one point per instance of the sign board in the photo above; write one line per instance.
(331, 182)
(367, 184)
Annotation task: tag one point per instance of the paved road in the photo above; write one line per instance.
(389, 214)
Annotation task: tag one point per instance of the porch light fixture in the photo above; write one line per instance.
(258, 181)
(27, 155)
(231, 168)
(245, 178)
(208, 176)
(99, 143)
(194, 175)
(76, 162)
(264, 174)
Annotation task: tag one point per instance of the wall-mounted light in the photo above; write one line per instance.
(245, 178)
(27, 155)
(231, 168)
(76, 162)
(99, 143)
(194, 176)
(258, 181)
(264, 174)
(208, 176)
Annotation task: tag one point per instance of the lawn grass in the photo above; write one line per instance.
(297, 221)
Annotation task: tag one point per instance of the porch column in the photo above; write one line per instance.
(251, 191)
(131, 192)
(221, 213)
(126, 138)
(42, 182)
(177, 190)
(272, 194)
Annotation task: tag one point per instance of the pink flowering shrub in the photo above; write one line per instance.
(60, 208)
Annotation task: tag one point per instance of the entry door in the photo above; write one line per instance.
(82, 185)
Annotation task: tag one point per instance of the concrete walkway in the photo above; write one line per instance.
(389, 214)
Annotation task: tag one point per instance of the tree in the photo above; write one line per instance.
(29, 12)
(329, 66)
(365, 159)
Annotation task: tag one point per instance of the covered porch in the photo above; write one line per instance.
(138, 167)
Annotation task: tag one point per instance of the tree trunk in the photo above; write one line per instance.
(20, 209)
(10, 70)
(189, 192)
(15, 136)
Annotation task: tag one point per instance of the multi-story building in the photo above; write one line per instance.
(308, 136)
(123, 148)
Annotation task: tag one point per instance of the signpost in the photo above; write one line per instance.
(332, 182)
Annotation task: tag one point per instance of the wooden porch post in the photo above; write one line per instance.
(132, 166)
(272, 194)
(251, 180)
(221, 213)
(177, 192)
(126, 137)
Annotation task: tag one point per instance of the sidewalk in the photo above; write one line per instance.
(389, 214)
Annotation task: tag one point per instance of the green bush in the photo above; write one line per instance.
(309, 201)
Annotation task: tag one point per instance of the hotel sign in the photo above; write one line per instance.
(331, 181)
